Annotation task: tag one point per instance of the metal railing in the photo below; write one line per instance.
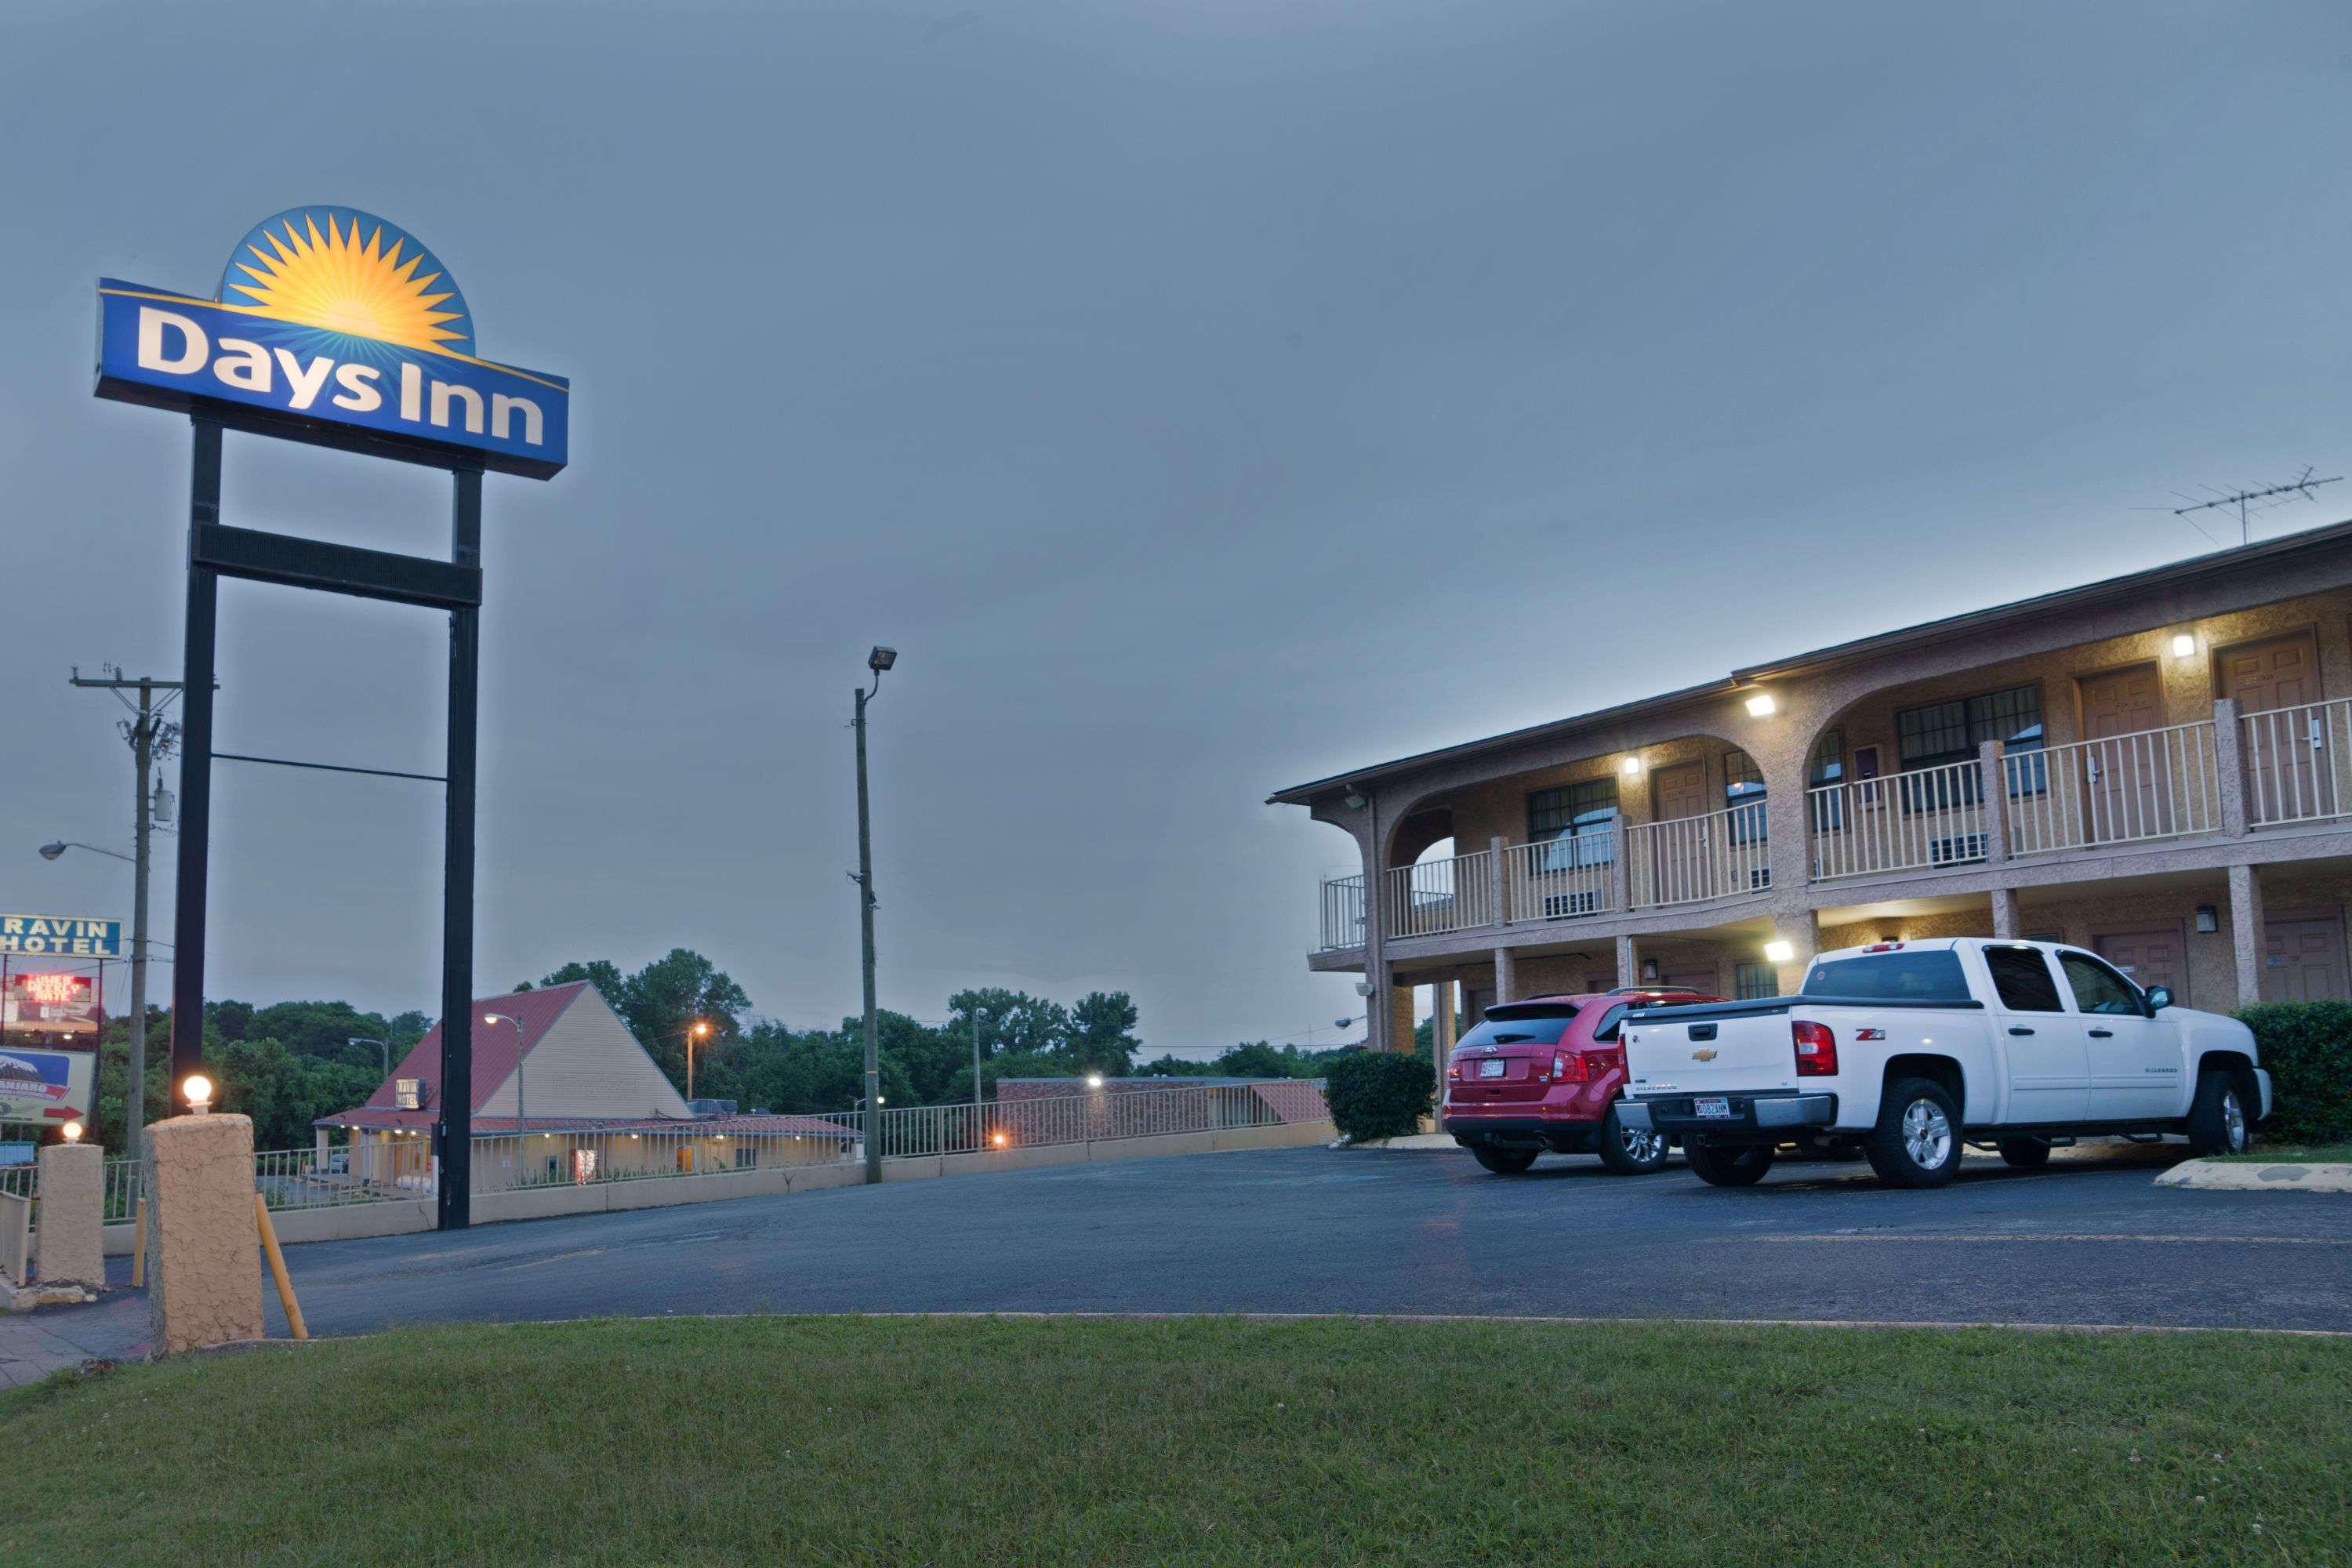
(508, 1162)
(2297, 759)
(379, 1168)
(20, 1181)
(1925, 817)
(1561, 878)
(1437, 896)
(2119, 789)
(1343, 913)
(1691, 860)
(124, 1184)
(1115, 1111)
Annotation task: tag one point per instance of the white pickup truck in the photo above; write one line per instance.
(1908, 1049)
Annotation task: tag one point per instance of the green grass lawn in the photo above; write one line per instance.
(2294, 1154)
(755, 1441)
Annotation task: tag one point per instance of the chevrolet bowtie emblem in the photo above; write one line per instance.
(1702, 1055)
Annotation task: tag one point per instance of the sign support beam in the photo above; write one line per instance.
(455, 1133)
(195, 764)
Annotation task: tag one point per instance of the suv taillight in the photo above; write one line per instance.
(1568, 1067)
(1816, 1049)
(1453, 1070)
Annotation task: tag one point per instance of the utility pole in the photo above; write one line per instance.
(150, 739)
(975, 1062)
(880, 660)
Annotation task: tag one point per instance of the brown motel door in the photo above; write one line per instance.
(1678, 852)
(2127, 783)
(2151, 955)
(2288, 776)
(2305, 959)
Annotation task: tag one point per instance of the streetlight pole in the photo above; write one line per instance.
(696, 1032)
(384, 1049)
(880, 660)
(502, 1018)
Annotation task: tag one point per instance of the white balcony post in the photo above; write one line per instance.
(2230, 770)
(1993, 789)
(1502, 864)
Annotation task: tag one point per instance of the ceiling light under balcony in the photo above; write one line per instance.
(1779, 951)
(1631, 765)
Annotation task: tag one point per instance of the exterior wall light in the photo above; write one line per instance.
(2208, 919)
(1779, 951)
(72, 1129)
(2184, 644)
(1650, 969)
(1761, 706)
(1357, 800)
(198, 1089)
(1630, 766)
(881, 658)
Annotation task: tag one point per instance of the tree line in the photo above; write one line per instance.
(288, 1064)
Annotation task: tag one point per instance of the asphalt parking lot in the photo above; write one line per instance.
(2088, 1241)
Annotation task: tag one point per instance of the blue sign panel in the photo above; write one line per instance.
(327, 317)
(60, 936)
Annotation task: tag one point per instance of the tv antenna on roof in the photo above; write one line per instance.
(2275, 495)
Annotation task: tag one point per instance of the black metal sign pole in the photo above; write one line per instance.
(456, 1131)
(195, 766)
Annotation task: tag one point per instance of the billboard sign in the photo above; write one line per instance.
(60, 936)
(46, 1001)
(46, 1086)
(330, 319)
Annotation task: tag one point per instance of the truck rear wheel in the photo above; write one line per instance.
(2217, 1123)
(1630, 1152)
(1738, 1167)
(1504, 1162)
(1916, 1143)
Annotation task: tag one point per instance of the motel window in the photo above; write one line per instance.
(1827, 768)
(1951, 732)
(1574, 812)
(1754, 982)
(1743, 795)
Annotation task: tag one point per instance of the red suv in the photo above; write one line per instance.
(1545, 1074)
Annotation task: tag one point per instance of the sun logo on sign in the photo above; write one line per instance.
(345, 272)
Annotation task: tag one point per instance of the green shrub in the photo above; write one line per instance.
(2307, 1048)
(1377, 1094)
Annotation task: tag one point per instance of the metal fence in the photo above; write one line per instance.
(1691, 860)
(2119, 789)
(1118, 1110)
(2298, 762)
(1921, 818)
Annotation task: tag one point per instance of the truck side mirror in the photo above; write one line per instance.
(2158, 997)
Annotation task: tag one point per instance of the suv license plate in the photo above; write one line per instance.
(1492, 1067)
(1711, 1108)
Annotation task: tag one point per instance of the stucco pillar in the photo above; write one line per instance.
(2004, 913)
(1445, 1027)
(2247, 930)
(71, 1245)
(203, 1249)
(1994, 794)
(1621, 866)
(1629, 962)
(1377, 1036)
(1401, 1019)
(1504, 913)
(1802, 932)
(1506, 979)
(2229, 768)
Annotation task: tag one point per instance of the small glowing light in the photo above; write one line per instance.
(1094, 1080)
(198, 1089)
(632, 1137)
(72, 1130)
(1762, 705)
(1631, 765)
(489, 1018)
(2184, 646)
(1779, 951)
(999, 1139)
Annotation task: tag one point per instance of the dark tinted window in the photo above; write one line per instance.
(2021, 977)
(2097, 988)
(1934, 976)
(1754, 982)
(1543, 1031)
(1610, 1022)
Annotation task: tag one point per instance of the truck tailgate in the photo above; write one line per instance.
(1745, 1054)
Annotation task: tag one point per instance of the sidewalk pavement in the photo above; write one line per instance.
(56, 1339)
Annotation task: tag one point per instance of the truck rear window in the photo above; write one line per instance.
(1934, 976)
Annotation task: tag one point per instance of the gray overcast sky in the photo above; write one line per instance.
(1203, 396)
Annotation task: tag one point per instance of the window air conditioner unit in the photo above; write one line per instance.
(1959, 849)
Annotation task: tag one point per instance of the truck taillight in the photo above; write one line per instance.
(1816, 1049)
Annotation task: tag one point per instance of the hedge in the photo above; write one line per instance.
(2307, 1047)
(1377, 1094)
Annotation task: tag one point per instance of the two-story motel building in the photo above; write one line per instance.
(2158, 766)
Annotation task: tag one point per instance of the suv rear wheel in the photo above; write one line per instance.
(2217, 1117)
(1504, 1162)
(1734, 1167)
(1916, 1143)
(1630, 1151)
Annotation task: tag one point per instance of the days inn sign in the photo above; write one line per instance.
(347, 330)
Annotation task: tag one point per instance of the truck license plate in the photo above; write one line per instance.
(1712, 1107)
(1492, 1067)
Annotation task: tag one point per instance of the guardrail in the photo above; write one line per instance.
(2297, 762)
(2119, 789)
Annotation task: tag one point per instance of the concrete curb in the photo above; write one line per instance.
(2246, 1176)
(1410, 1140)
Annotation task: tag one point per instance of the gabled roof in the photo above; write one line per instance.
(2083, 596)
(496, 1045)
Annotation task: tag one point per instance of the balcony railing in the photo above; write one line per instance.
(2119, 789)
(2296, 761)
(1343, 912)
(1561, 878)
(1691, 860)
(1923, 818)
(1439, 895)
